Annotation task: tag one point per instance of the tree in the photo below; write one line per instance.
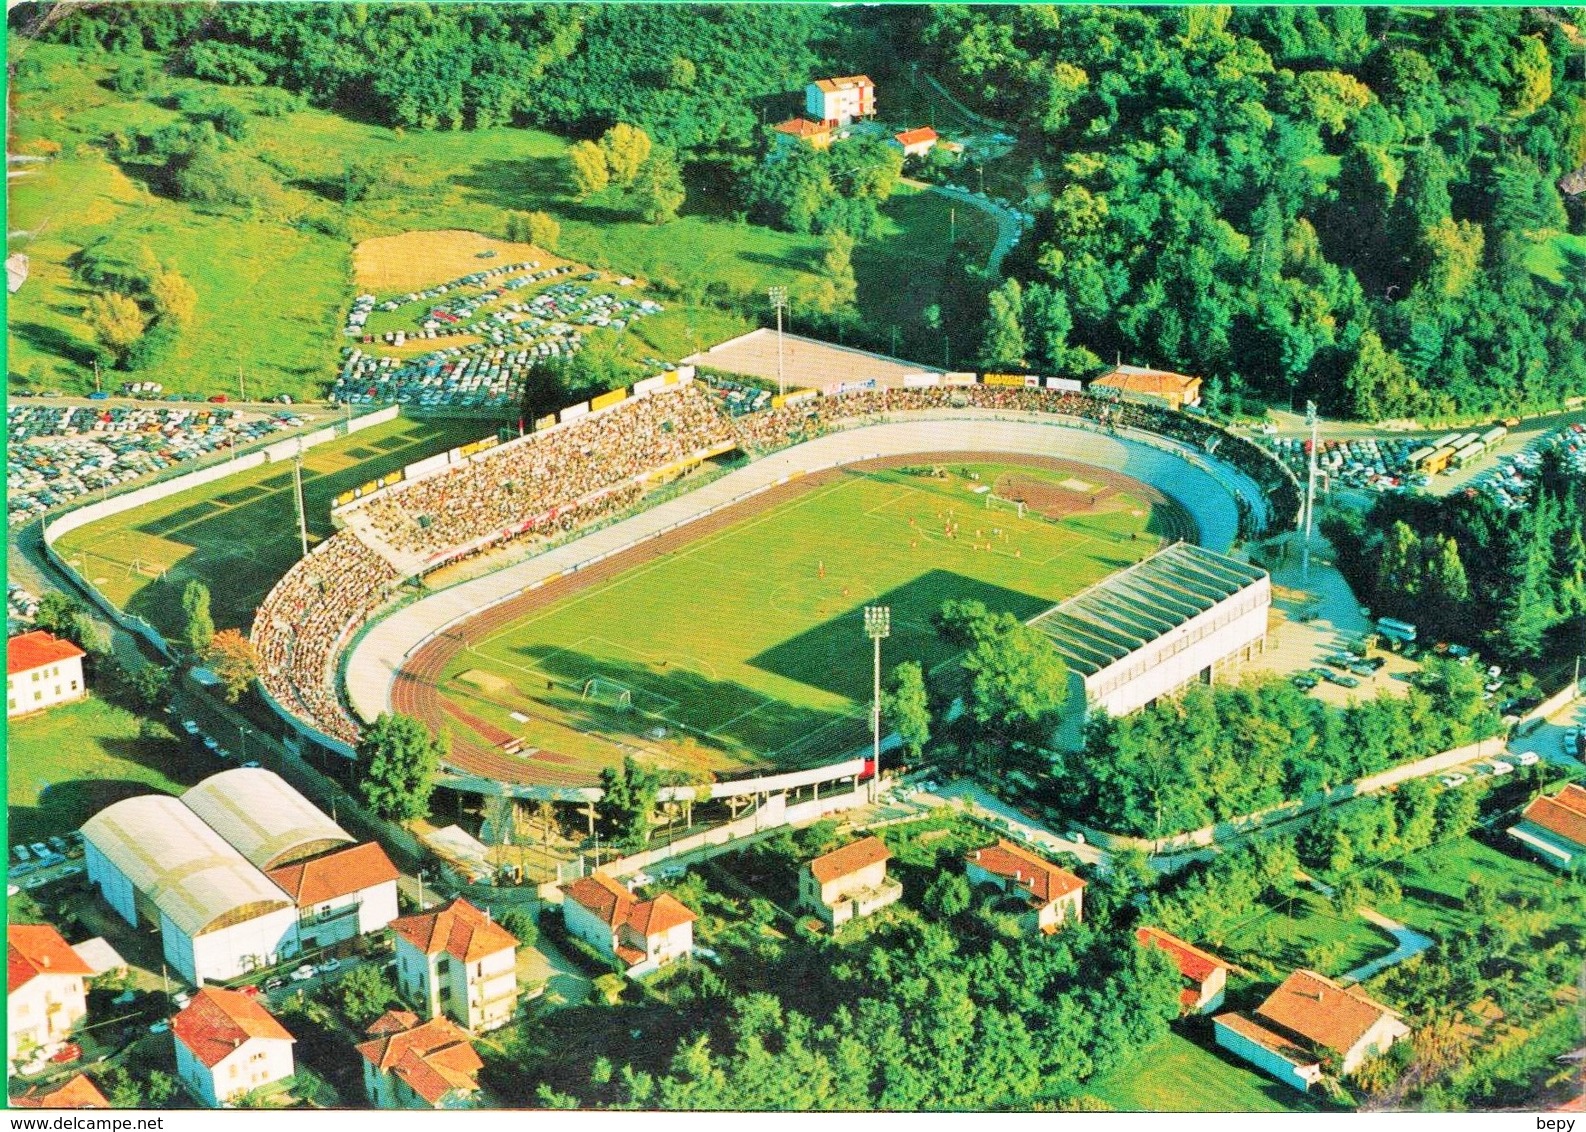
(586, 165)
(365, 993)
(151, 683)
(116, 321)
(1377, 384)
(626, 810)
(199, 627)
(1456, 813)
(839, 288)
(627, 148)
(63, 616)
(1002, 336)
(948, 895)
(1016, 677)
(173, 297)
(906, 706)
(397, 762)
(542, 230)
(658, 188)
(232, 659)
(520, 922)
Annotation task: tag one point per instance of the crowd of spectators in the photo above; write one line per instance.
(531, 483)
(565, 479)
(302, 622)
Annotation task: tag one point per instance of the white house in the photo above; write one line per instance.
(46, 995)
(916, 142)
(159, 865)
(340, 895)
(42, 671)
(1051, 896)
(840, 100)
(228, 1044)
(644, 934)
(849, 883)
(409, 1064)
(1307, 1020)
(459, 962)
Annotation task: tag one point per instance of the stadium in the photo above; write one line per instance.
(695, 580)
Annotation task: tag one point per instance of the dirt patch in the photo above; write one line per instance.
(415, 260)
(485, 681)
(1052, 500)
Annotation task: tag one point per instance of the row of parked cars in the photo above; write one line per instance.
(210, 744)
(1369, 463)
(36, 859)
(1511, 480)
(57, 454)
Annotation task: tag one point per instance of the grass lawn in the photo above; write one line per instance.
(65, 764)
(1176, 1075)
(1305, 932)
(273, 286)
(1434, 882)
(239, 535)
(1557, 257)
(747, 645)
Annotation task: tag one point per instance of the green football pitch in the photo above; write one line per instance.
(239, 535)
(746, 647)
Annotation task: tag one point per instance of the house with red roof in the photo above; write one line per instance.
(915, 143)
(228, 1044)
(1051, 896)
(1309, 1026)
(840, 99)
(42, 671)
(46, 992)
(644, 934)
(1554, 828)
(1158, 387)
(1205, 974)
(849, 883)
(459, 962)
(816, 134)
(77, 1092)
(423, 1065)
(341, 894)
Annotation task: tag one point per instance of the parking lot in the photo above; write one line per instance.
(1511, 481)
(58, 453)
(1369, 463)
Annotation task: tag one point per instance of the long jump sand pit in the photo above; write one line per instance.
(415, 260)
(1054, 500)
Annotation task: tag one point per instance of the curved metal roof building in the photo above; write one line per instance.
(268, 821)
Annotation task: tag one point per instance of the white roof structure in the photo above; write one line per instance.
(99, 955)
(195, 879)
(268, 822)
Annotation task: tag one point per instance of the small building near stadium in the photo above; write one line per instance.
(1179, 616)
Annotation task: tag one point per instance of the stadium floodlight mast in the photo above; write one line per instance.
(878, 626)
(779, 301)
(1310, 493)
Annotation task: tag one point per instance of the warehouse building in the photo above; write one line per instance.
(1179, 616)
(263, 818)
(158, 864)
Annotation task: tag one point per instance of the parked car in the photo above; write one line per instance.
(1453, 780)
(328, 966)
(1572, 741)
(58, 845)
(1343, 681)
(274, 983)
(160, 1027)
(1304, 681)
(250, 991)
(1528, 758)
(20, 852)
(1501, 768)
(40, 850)
(302, 974)
(190, 726)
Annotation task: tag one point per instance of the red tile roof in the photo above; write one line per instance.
(615, 906)
(432, 1059)
(915, 136)
(459, 929)
(1321, 1011)
(79, 1092)
(1042, 880)
(392, 1022)
(35, 650)
(844, 82)
(38, 949)
(1156, 382)
(1564, 814)
(1193, 963)
(341, 873)
(217, 1021)
(803, 128)
(849, 859)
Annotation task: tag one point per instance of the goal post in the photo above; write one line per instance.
(610, 692)
(997, 503)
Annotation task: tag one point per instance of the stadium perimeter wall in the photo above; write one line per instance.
(151, 493)
(1206, 489)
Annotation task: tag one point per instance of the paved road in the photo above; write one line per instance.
(1008, 226)
(1411, 943)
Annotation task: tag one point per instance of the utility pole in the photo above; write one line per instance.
(297, 481)
(952, 225)
(1310, 493)
(878, 626)
(779, 300)
(242, 388)
(97, 388)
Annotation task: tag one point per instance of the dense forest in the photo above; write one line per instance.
(1357, 206)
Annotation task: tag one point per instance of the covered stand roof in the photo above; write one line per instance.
(1101, 625)
(269, 822)
(194, 878)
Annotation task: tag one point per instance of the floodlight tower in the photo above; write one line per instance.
(779, 301)
(1310, 492)
(878, 626)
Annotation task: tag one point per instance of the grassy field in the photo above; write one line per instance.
(65, 764)
(238, 536)
(273, 285)
(1176, 1075)
(1556, 257)
(1434, 882)
(1303, 933)
(747, 646)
